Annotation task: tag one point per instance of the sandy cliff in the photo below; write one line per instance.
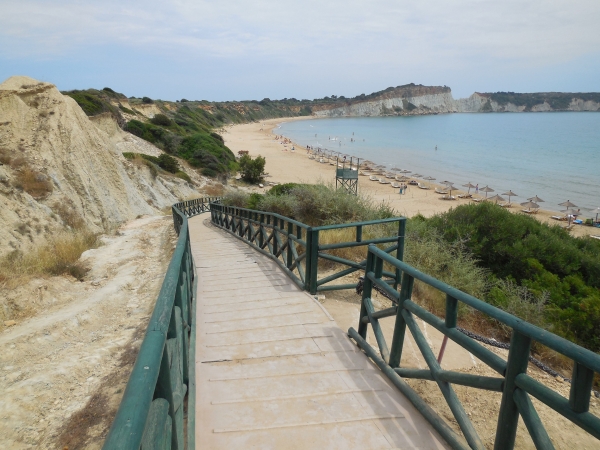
(57, 163)
(435, 100)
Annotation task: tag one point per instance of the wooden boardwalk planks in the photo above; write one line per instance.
(274, 371)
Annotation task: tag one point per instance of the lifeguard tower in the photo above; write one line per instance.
(346, 174)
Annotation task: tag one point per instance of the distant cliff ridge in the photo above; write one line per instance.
(419, 100)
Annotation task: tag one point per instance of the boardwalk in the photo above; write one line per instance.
(274, 371)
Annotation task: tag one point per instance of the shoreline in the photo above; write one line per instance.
(285, 166)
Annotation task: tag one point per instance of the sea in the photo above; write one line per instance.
(554, 155)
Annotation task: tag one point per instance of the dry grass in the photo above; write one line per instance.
(214, 190)
(5, 157)
(60, 256)
(358, 253)
(69, 215)
(34, 183)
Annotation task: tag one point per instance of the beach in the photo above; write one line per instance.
(286, 166)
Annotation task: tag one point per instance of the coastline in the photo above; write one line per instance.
(285, 166)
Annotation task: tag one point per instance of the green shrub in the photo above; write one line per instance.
(183, 176)
(208, 172)
(538, 265)
(168, 163)
(90, 104)
(237, 198)
(162, 120)
(147, 100)
(254, 200)
(282, 189)
(252, 169)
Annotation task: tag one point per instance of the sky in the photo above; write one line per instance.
(246, 50)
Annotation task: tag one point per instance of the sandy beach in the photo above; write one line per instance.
(284, 166)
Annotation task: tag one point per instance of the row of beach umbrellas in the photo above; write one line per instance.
(531, 203)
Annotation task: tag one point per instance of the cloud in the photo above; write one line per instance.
(407, 37)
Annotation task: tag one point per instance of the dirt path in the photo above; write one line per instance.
(63, 369)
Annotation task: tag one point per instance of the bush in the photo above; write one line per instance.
(208, 172)
(162, 120)
(147, 100)
(252, 169)
(282, 189)
(168, 163)
(547, 276)
(60, 256)
(183, 176)
(237, 198)
(34, 183)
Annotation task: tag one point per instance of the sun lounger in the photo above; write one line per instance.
(530, 211)
(438, 191)
(465, 196)
(414, 183)
(505, 205)
(558, 217)
(595, 236)
(373, 178)
(422, 186)
(448, 197)
(395, 185)
(477, 200)
(384, 181)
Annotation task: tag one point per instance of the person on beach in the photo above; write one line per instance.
(477, 188)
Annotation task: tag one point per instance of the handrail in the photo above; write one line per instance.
(514, 383)
(295, 246)
(151, 413)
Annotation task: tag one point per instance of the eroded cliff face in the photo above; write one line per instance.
(437, 100)
(56, 163)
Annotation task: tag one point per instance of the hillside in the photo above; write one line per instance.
(59, 169)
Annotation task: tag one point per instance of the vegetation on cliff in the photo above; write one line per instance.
(557, 100)
(555, 276)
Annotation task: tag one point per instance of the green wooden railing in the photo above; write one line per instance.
(295, 246)
(513, 382)
(151, 414)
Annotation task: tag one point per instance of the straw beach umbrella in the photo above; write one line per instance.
(496, 198)
(596, 211)
(430, 179)
(510, 194)
(530, 205)
(486, 189)
(568, 204)
(535, 199)
(470, 186)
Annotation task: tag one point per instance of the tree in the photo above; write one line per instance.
(252, 169)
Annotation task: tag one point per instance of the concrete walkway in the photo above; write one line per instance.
(274, 371)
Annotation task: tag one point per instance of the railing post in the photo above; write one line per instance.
(290, 242)
(400, 250)
(400, 325)
(508, 418)
(314, 261)
(307, 259)
(261, 238)
(275, 232)
(367, 292)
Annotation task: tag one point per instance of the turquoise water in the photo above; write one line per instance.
(553, 155)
